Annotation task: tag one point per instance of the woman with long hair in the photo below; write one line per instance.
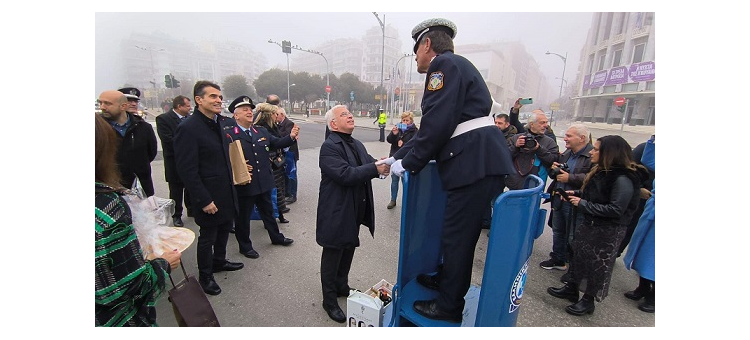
(607, 200)
(265, 116)
(127, 285)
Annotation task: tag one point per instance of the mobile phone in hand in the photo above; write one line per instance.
(526, 101)
(562, 193)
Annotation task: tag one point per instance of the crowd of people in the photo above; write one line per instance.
(597, 190)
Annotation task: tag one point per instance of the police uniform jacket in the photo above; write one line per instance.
(201, 152)
(341, 181)
(455, 92)
(256, 151)
(166, 124)
(136, 152)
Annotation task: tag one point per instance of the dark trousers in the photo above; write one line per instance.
(563, 230)
(242, 223)
(334, 272)
(382, 133)
(631, 226)
(212, 247)
(176, 191)
(462, 225)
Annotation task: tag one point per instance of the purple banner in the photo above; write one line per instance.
(586, 80)
(599, 78)
(617, 75)
(644, 71)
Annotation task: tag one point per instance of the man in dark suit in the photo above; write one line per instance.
(292, 156)
(201, 151)
(471, 153)
(255, 141)
(166, 125)
(344, 203)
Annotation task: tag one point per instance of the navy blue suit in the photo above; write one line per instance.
(471, 166)
(258, 191)
(201, 151)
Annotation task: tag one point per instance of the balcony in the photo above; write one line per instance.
(618, 39)
(640, 32)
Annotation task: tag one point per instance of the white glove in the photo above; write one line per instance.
(397, 169)
(389, 161)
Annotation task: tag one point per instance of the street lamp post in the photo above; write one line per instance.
(382, 55)
(288, 98)
(396, 67)
(153, 82)
(565, 62)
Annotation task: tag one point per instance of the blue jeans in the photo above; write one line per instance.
(291, 175)
(394, 187)
(563, 229)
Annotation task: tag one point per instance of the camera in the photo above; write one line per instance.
(529, 141)
(562, 167)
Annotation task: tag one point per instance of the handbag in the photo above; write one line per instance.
(240, 175)
(190, 304)
(278, 159)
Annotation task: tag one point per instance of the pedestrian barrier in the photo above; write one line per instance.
(517, 221)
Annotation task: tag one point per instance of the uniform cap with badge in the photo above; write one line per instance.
(240, 101)
(434, 24)
(131, 93)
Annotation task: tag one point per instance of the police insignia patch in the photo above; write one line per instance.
(436, 81)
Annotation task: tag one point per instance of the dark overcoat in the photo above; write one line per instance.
(166, 125)
(201, 150)
(336, 225)
(136, 152)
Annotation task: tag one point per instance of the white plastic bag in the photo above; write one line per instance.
(151, 220)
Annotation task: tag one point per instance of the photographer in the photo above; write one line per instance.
(568, 174)
(533, 152)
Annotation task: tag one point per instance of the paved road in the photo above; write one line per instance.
(282, 287)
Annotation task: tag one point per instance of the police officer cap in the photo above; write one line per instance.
(131, 92)
(241, 100)
(434, 24)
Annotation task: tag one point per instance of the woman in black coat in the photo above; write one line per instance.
(608, 198)
(265, 116)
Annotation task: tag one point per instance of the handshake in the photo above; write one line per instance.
(393, 165)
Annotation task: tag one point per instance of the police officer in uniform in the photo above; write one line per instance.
(381, 120)
(472, 156)
(256, 141)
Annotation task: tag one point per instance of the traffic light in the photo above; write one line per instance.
(621, 108)
(175, 82)
(395, 97)
(168, 80)
(286, 46)
(351, 95)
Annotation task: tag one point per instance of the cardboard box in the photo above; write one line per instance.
(366, 309)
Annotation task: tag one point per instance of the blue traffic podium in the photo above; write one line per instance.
(516, 222)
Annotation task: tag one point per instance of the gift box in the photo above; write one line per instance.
(372, 308)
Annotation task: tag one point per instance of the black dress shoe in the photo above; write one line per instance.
(177, 222)
(228, 267)
(209, 286)
(585, 306)
(285, 210)
(285, 242)
(251, 254)
(283, 220)
(646, 306)
(429, 281)
(635, 294)
(568, 291)
(335, 312)
(430, 310)
(290, 200)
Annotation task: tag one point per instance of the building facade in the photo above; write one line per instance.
(618, 60)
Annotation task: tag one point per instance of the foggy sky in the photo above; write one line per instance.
(556, 32)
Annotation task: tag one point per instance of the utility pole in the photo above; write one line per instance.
(153, 79)
(382, 55)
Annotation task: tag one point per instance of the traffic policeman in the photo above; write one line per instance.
(457, 131)
(382, 119)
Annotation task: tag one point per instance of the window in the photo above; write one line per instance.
(638, 51)
(601, 62)
(616, 58)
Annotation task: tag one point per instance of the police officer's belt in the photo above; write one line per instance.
(473, 124)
